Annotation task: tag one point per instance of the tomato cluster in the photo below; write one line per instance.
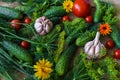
(81, 8)
(16, 23)
(110, 44)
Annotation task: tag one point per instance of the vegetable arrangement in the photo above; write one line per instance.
(41, 40)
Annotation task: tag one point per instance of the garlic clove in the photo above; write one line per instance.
(46, 21)
(91, 52)
(97, 49)
(43, 18)
(42, 33)
(87, 46)
(37, 20)
(47, 28)
(38, 27)
(50, 24)
(96, 40)
(102, 46)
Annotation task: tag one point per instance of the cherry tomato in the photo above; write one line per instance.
(81, 8)
(15, 24)
(65, 18)
(25, 44)
(89, 19)
(117, 54)
(27, 20)
(110, 44)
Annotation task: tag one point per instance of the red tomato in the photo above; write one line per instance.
(15, 24)
(110, 44)
(65, 18)
(25, 44)
(27, 20)
(81, 8)
(117, 54)
(89, 19)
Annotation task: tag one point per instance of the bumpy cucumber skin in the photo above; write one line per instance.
(63, 62)
(9, 13)
(84, 38)
(98, 12)
(55, 11)
(17, 51)
(115, 35)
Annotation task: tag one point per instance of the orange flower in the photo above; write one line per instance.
(105, 29)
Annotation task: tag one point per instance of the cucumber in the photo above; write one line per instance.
(55, 20)
(55, 11)
(115, 35)
(9, 13)
(26, 32)
(17, 51)
(99, 12)
(64, 60)
(85, 37)
(79, 25)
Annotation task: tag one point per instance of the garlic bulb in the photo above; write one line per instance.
(93, 48)
(43, 25)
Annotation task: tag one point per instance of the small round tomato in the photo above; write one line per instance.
(65, 18)
(89, 19)
(27, 20)
(110, 44)
(25, 44)
(117, 54)
(15, 23)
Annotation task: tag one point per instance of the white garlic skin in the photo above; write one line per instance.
(43, 25)
(92, 48)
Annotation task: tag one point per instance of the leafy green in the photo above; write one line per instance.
(110, 16)
(74, 28)
(105, 68)
(4, 74)
(112, 71)
(8, 64)
(79, 71)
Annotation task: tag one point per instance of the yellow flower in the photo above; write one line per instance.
(67, 5)
(105, 29)
(42, 69)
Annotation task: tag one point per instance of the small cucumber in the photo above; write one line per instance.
(55, 11)
(115, 35)
(26, 32)
(79, 25)
(55, 20)
(17, 51)
(9, 13)
(84, 38)
(99, 12)
(63, 62)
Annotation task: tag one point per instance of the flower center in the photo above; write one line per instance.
(104, 28)
(68, 5)
(43, 70)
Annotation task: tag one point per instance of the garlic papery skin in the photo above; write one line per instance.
(43, 25)
(93, 48)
